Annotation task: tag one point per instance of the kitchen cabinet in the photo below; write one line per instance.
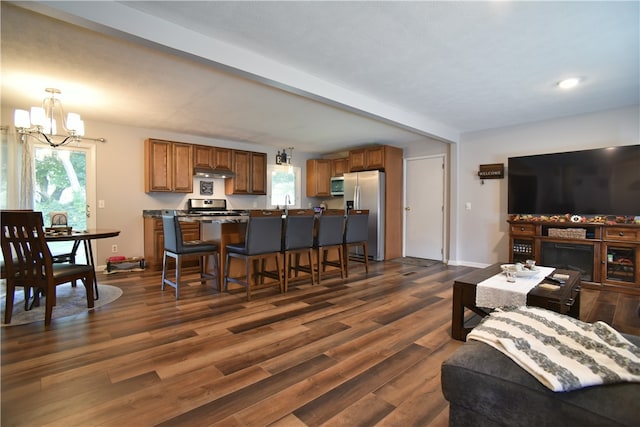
(319, 177)
(168, 166)
(370, 158)
(339, 166)
(521, 242)
(250, 170)
(212, 157)
(154, 241)
(222, 158)
(202, 156)
(621, 256)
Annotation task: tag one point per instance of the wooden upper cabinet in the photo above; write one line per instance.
(203, 156)
(182, 167)
(339, 166)
(258, 173)
(158, 160)
(212, 157)
(358, 160)
(222, 158)
(371, 158)
(250, 174)
(375, 157)
(168, 166)
(319, 177)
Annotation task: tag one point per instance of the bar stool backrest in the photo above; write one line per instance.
(264, 232)
(357, 228)
(172, 232)
(299, 229)
(330, 228)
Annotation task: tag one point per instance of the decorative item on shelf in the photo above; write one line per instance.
(491, 171)
(42, 123)
(284, 158)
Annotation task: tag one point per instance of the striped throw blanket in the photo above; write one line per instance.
(562, 353)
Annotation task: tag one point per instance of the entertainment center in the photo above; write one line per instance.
(600, 236)
(606, 254)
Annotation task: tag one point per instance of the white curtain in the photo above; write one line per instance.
(16, 182)
(27, 176)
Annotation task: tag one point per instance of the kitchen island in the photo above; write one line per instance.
(219, 229)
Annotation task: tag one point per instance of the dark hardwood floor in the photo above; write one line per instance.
(360, 352)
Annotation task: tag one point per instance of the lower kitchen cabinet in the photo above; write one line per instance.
(154, 241)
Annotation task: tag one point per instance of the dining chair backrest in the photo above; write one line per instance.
(298, 232)
(264, 231)
(330, 228)
(357, 227)
(23, 242)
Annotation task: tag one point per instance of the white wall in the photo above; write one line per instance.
(479, 236)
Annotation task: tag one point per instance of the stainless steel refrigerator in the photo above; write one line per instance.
(365, 190)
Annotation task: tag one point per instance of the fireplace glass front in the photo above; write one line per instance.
(569, 256)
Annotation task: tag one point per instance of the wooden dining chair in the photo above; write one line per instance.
(263, 240)
(29, 263)
(176, 247)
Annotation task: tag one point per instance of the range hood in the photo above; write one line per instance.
(212, 173)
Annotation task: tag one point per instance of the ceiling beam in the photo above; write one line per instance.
(121, 21)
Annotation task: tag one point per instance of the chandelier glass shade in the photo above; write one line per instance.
(42, 123)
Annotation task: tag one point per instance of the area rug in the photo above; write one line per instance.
(415, 261)
(69, 301)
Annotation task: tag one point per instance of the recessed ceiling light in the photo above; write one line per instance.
(569, 83)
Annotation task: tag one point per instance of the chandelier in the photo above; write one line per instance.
(42, 123)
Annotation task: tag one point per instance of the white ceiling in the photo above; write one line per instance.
(322, 76)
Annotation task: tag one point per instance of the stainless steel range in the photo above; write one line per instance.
(212, 207)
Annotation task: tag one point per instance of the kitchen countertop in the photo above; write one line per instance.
(185, 216)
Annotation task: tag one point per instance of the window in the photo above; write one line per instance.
(283, 181)
(60, 184)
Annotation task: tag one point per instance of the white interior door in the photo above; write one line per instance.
(424, 208)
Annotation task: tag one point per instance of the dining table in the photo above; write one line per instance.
(83, 237)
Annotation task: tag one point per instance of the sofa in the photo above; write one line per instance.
(486, 388)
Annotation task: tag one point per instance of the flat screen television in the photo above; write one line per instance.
(603, 181)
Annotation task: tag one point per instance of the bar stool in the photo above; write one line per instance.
(263, 239)
(356, 234)
(330, 235)
(175, 247)
(298, 240)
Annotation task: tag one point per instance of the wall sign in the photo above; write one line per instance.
(491, 171)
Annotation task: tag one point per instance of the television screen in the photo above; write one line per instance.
(603, 181)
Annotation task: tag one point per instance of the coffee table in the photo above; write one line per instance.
(563, 299)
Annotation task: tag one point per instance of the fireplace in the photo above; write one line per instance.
(569, 256)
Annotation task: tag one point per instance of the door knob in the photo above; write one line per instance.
(407, 208)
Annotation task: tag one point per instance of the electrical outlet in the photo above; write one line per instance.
(114, 248)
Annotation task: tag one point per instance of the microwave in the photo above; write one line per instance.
(337, 186)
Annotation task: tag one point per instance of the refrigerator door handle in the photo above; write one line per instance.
(356, 203)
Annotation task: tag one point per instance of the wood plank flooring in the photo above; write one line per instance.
(361, 352)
